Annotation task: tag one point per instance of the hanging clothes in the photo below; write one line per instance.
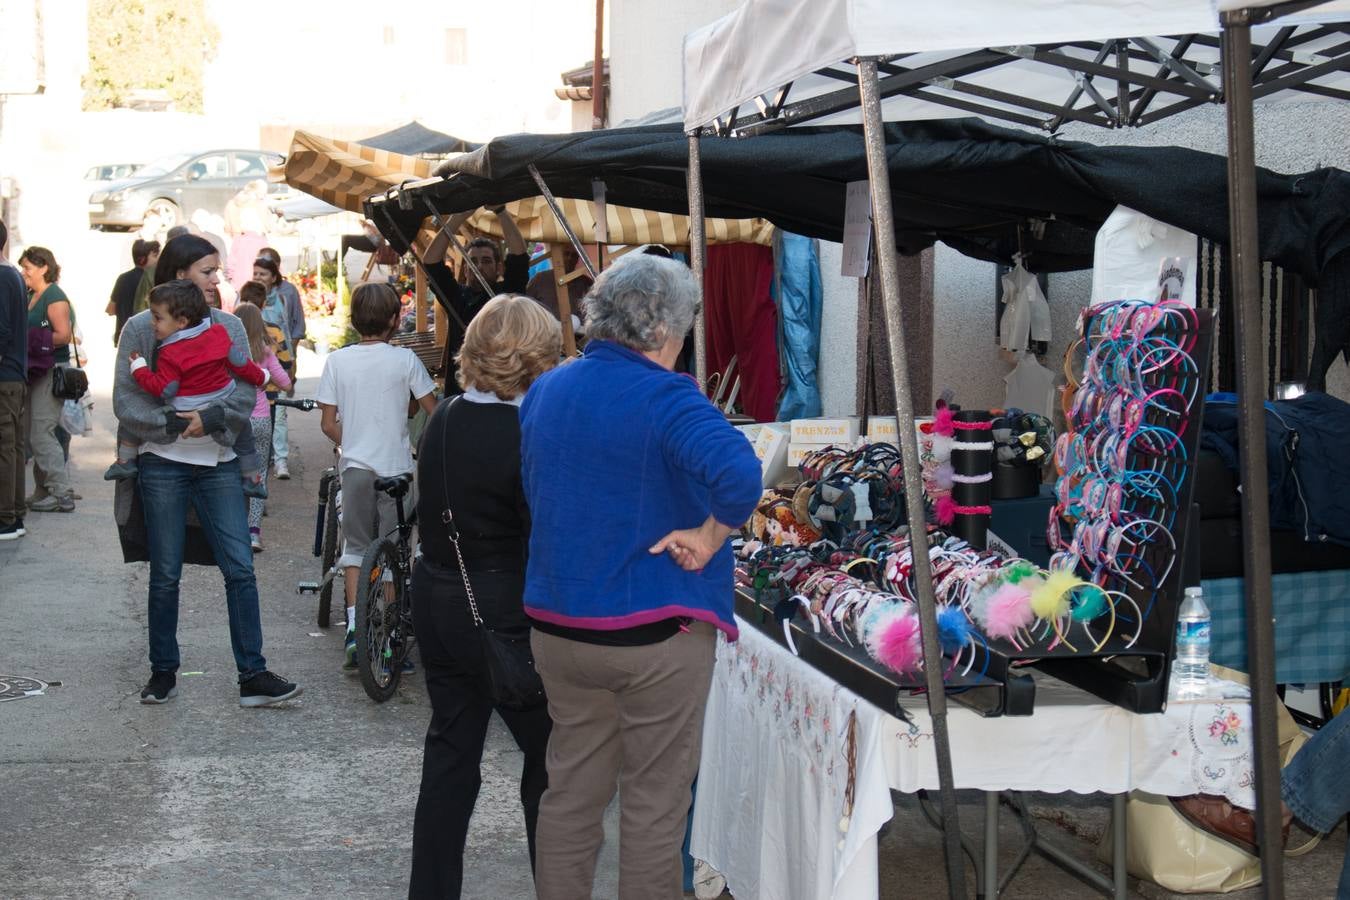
(1026, 315)
(1130, 252)
(797, 290)
(1030, 387)
(742, 321)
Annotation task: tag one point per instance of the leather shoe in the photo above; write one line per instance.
(1215, 815)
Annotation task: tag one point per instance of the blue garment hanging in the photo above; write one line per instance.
(797, 292)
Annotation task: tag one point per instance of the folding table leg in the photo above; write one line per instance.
(989, 877)
(1118, 868)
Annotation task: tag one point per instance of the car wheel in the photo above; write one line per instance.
(165, 210)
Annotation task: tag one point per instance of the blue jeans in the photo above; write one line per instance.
(1316, 788)
(216, 494)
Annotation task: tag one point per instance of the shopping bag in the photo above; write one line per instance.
(73, 418)
(1162, 847)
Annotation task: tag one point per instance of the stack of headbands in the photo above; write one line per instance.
(1123, 461)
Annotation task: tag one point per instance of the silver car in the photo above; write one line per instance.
(174, 187)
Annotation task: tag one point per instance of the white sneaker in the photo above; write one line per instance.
(255, 540)
(282, 470)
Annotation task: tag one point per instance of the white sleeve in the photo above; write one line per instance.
(327, 392)
(419, 380)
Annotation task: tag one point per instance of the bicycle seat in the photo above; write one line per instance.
(396, 485)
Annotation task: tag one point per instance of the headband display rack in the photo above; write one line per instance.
(1163, 552)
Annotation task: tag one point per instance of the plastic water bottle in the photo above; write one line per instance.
(1190, 670)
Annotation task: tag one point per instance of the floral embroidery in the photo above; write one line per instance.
(1225, 726)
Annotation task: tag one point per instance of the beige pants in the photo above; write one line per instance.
(625, 717)
(49, 460)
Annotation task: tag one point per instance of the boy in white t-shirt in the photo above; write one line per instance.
(365, 393)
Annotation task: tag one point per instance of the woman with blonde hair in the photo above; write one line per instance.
(261, 347)
(469, 465)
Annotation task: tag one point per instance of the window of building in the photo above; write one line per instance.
(456, 47)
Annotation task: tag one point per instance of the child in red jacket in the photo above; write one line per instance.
(195, 365)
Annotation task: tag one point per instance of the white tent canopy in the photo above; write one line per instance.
(740, 63)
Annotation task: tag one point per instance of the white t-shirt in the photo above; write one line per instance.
(370, 384)
(195, 451)
(1130, 253)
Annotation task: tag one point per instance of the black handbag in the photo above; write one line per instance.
(508, 663)
(69, 383)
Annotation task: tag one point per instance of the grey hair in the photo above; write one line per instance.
(642, 302)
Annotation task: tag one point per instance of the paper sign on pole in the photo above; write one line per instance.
(857, 230)
(601, 216)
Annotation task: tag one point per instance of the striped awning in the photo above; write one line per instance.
(626, 225)
(345, 173)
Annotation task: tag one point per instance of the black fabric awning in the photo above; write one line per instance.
(415, 138)
(971, 185)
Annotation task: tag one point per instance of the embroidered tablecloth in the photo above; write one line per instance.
(1312, 625)
(772, 791)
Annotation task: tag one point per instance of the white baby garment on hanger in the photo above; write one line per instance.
(1026, 315)
(1030, 387)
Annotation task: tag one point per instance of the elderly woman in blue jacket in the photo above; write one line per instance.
(629, 577)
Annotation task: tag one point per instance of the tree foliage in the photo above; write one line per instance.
(148, 45)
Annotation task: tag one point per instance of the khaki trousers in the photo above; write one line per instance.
(49, 460)
(629, 718)
(11, 451)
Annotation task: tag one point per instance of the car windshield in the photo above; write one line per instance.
(163, 165)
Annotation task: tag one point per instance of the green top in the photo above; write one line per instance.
(142, 301)
(37, 317)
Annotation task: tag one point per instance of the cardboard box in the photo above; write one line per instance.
(841, 431)
(797, 452)
(771, 447)
(882, 429)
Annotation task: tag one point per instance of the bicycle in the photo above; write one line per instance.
(327, 529)
(384, 626)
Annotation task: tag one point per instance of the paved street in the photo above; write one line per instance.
(101, 797)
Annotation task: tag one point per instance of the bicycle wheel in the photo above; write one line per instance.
(381, 641)
(332, 538)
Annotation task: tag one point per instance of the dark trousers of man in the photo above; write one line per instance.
(11, 451)
(452, 658)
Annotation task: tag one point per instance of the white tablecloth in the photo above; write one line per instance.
(772, 790)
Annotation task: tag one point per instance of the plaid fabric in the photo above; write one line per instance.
(1312, 625)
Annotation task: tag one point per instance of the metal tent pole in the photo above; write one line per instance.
(562, 220)
(1246, 274)
(698, 256)
(879, 177)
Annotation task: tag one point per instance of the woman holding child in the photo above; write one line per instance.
(187, 458)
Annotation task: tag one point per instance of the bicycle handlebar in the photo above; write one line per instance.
(305, 404)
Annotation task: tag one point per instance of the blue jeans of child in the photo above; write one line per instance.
(167, 487)
(1316, 787)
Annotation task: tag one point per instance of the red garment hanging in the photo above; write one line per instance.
(742, 321)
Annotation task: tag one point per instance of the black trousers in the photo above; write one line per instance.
(452, 658)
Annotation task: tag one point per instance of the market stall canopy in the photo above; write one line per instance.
(1114, 63)
(416, 139)
(345, 173)
(979, 188)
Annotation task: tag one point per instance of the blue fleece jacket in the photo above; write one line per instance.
(617, 452)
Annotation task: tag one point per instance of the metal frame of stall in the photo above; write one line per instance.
(880, 77)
